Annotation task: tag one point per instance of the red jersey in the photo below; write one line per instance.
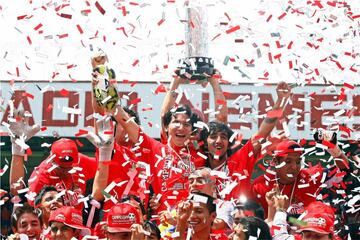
(44, 174)
(301, 193)
(239, 167)
(170, 167)
(120, 167)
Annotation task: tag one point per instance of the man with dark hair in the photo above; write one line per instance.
(249, 208)
(300, 185)
(251, 228)
(66, 223)
(195, 217)
(48, 200)
(237, 167)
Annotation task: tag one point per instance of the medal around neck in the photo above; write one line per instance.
(196, 65)
(105, 92)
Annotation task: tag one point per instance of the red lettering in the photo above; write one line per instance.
(19, 97)
(296, 105)
(317, 114)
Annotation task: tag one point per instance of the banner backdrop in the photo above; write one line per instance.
(64, 108)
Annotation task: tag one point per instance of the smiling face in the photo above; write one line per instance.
(179, 129)
(59, 231)
(29, 224)
(200, 181)
(50, 202)
(200, 219)
(218, 143)
(288, 172)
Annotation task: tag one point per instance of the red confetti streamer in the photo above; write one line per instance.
(28, 152)
(290, 65)
(64, 15)
(218, 35)
(135, 101)
(269, 17)
(134, 3)
(29, 40)
(333, 4)
(345, 129)
(63, 35)
(63, 92)
(161, 22)
(21, 17)
(43, 129)
(180, 43)
(227, 16)
(328, 144)
(160, 89)
(99, 7)
(27, 67)
(17, 72)
(220, 102)
(355, 16)
(38, 27)
(135, 62)
(290, 45)
(150, 124)
(80, 29)
(233, 29)
(147, 109)
(349, 86)
(81, 132)
(26, 94)
(123, 9)
(282, 16)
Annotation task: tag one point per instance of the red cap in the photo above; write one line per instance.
(121, 217)
(318, 222)
(69, 216)
(287, 146)
(66, 152)
(99, 230)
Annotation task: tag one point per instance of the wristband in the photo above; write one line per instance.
(17, 150)
(105, 154)
(335, 152)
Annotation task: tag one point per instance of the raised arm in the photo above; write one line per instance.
(329, 138)
(128, 123)
(20, 132)
(219, 98)
(104, 141)
(283, 93)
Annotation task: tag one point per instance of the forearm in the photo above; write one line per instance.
(100, 181)
(220, 103)
(129, 125)
(341, 160)
(17, 172)
(267, 126)
(170, 97)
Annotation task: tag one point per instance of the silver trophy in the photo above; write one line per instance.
(196, 65)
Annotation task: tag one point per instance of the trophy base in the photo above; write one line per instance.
(195, 68)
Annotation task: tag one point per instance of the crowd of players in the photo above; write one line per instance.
(195, 183)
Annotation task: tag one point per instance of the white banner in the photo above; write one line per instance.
(64, 108)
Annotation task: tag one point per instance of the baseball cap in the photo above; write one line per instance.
(319, 223)
(66, 152)
(286, 147)
(69, 216)
(121, 217)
